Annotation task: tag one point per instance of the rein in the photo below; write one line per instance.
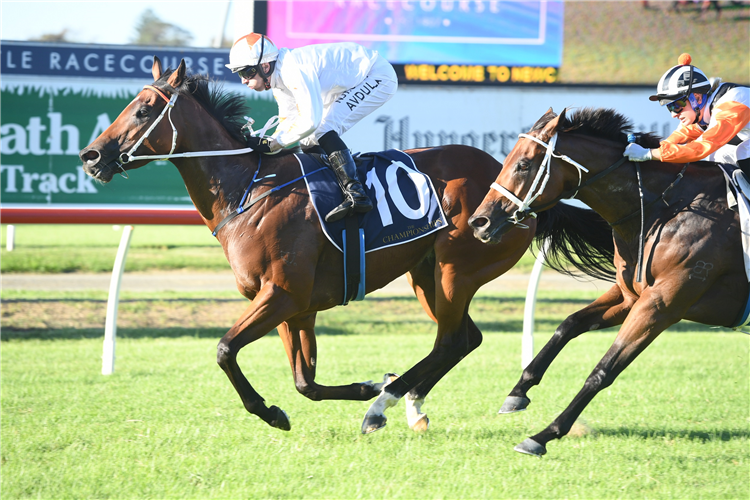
(245, 207)
(129, 156)
(524, 208)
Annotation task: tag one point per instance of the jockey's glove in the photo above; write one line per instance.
(634, 152)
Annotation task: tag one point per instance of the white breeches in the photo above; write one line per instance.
(352, 105)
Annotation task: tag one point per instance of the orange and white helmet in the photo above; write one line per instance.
(251, 50)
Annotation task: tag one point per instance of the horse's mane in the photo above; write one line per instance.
(600, 122)
(227, 107)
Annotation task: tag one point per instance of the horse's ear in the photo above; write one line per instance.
(178, 76)
(554, 125)
(561, 119)
(156, 68)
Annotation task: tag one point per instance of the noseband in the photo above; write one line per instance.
(129, 157)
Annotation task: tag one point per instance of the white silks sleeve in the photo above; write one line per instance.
(302, 115)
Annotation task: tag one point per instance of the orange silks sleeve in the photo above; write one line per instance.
(729, 118)
(684, 134)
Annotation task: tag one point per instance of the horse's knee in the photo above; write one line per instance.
(310, 391)
(599, 379)
(223, 355)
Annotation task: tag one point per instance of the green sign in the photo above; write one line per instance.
(46, 122)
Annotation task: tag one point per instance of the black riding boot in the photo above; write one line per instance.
(355, 199)
(745, 167)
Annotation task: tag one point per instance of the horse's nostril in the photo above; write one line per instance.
(90, 156)
(478, 222)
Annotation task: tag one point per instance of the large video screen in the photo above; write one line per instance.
(510, 33)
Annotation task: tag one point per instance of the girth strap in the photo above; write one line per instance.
(354, 260)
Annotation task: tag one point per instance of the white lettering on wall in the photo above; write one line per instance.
(13, 139)
(46, 183)
(72, 63)
(54, 60)
(17, 139)
(56, 129)
(124, 63)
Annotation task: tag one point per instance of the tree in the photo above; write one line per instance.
(151, 30)
(53, 37)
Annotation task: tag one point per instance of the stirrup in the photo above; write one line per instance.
(341, 211)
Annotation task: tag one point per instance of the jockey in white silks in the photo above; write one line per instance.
(322, 91)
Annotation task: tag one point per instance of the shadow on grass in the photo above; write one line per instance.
(691, 435)
(133, 333)
(487, 299)
(502, 327)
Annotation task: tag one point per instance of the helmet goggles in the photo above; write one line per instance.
(248, 72)
(677, 105)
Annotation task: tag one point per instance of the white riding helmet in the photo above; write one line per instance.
(251, 50)
(676, 82)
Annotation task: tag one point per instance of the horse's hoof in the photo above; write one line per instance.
(420, 425)
(513, 404)
(281, 420)
(373, 423)
(531, 447)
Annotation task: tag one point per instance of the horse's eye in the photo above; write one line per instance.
(143, 112)
(523, 165)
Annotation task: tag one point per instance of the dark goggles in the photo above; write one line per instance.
(248, 72)
(677, 105)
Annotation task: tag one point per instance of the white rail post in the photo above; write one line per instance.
(527, 339)
(113, 300)
(10, 238)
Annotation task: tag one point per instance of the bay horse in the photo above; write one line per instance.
(277, 250)
(678, 252)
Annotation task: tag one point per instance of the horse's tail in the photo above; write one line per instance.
(579, 237)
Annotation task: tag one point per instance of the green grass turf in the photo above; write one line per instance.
(91, 248)
(168, 424)
(616, 42)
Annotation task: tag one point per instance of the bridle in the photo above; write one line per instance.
(524, 207)
(543, 175)
(129, 157)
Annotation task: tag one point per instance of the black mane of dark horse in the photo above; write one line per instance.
(600, 122)
(227, 107)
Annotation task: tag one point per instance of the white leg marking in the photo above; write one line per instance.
(387, 379)
(381, 404)
(414, 417)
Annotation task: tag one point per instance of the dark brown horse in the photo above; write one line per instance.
(684, 244)
(280, 257)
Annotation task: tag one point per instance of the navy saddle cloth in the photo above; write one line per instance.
(406, 206)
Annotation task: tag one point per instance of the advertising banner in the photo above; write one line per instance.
(526, 33)
(449, 42)
(45, 121)
(46, 124)
(105, 61)
(491, 119)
